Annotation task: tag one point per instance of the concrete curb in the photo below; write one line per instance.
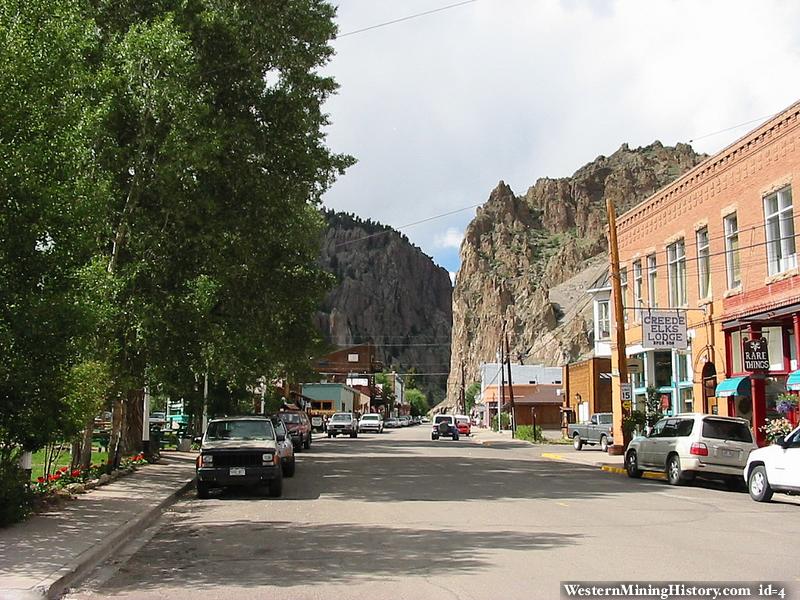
(621, 471)
(56, 584)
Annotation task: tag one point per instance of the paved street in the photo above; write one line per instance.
(399, 516)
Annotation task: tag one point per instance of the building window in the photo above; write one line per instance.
(637, 289)
(687, 400)
(639, 378)
(733, 266)
(652, 279)
(779, 219)
(684, 367)
(703, 264)
(662, 368)
(603, 320)
(676, 263)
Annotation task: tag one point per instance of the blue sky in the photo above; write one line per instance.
(438, 109)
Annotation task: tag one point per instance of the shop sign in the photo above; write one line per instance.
(756, 355)
(664, 330)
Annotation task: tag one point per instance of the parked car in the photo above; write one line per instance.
(425, 420)
(391, 423)
(239, 451)
(285, 446)
(343, 422)
(405, 420)
(444, 426)
(299, 427)
(597, 431)
(463, 424)
(370, 422)
(693, 444)
(774, 468)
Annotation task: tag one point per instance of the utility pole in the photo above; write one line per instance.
(510, 386)
(462, 397)
(501, 402)
(619, 358)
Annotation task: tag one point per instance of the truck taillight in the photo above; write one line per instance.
(699, 449)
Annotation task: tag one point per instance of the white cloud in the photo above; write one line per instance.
(438, 109)
(452, 277)
(449, 239)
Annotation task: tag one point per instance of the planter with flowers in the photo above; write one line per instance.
(775, 428)
(787, 406)
(65, 482)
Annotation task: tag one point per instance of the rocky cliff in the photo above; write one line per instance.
(390, 293)
(527, 260)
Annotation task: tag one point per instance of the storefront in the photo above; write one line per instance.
(670, 373)
(753, 388)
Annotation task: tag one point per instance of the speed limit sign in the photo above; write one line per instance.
(626, 392)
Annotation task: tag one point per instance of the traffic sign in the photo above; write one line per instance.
(627, 404)
(626, 392)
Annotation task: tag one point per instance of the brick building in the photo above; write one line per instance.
(719, 246)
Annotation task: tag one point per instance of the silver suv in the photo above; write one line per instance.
(693, 444)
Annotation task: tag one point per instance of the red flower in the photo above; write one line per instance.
(76, 473)
(53, 477)
(64, 469)
(40, 479)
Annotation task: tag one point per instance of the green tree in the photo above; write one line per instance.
(418, 401)
(469, 396)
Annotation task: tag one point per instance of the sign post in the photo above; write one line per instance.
(756, 355)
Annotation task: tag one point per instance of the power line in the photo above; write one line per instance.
(407, 18)
(764, 118)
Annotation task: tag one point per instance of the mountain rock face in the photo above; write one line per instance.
(390, 293)
(528, 260)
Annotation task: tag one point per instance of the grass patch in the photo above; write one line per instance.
(63, 461)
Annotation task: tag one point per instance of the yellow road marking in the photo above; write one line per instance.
(552, 456)
(562, 504)
(621, 471)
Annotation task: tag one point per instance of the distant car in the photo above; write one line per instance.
(774, 468)
(599, 430)
(405, 420)
(341, 423)
(391, 423)
(285, 446)
(370, 422)
(299, 427)
(425, 420)
(239, 451)
(693, 444)
(463, 424)
(444, 426)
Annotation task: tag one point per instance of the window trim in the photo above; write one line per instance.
(779, 259)
(676, 274)
(732, 257)
(652, 280)
(703, 264)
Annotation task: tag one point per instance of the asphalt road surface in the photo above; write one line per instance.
(398, 516)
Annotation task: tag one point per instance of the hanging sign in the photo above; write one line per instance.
(756, 355)
(664, 330)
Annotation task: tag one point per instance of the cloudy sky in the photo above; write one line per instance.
(438, 109)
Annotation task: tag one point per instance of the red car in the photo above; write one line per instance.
(462, 422)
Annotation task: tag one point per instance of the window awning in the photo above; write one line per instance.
(735, 386)
(793, 382)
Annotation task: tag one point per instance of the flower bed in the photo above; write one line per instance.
(66, 481)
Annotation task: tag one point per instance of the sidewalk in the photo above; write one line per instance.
(42, 556)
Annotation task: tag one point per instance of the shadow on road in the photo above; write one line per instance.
(243, 553)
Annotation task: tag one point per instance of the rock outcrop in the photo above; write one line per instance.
(527, 260)
(390, 293)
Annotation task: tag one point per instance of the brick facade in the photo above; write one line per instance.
(735, 181)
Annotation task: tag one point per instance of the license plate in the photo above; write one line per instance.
(727, 453)
(237, 471)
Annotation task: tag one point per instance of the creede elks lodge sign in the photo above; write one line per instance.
(664, 329)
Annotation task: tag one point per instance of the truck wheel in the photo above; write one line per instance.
(434, 436)
(577, 442)
(202, 490)
(603, 443)
(307, 443)
(276, 486)
(758, 485)
(288, 470)
(631, 466)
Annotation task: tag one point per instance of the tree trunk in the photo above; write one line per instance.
(117, 414)
(132, 429)
(75, 453)
(86, 445)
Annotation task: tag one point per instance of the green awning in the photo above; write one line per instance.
(735, 386)
(793, 382)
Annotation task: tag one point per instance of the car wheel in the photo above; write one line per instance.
(604, 443)
(455, 437)
(631, 466)
(307, 443)
(202, 490)
(276, 486)
(577, 442)
(434, 436)
(329, 435)
(288, 470)
(758, 485)
(675, 475)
